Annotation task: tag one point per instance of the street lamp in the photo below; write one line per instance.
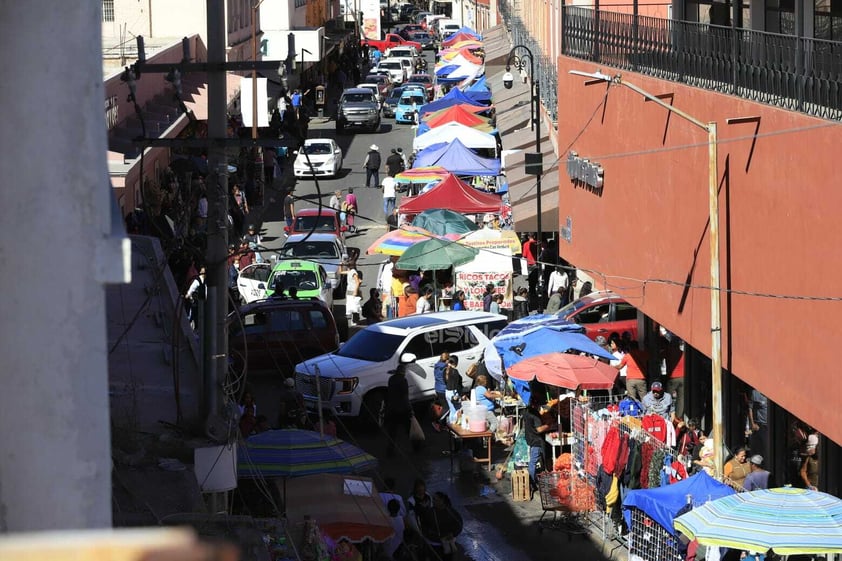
(533, 162)
(713, 210)
(258, 172)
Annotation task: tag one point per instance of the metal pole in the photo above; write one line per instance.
(715, 323)
(214, 335)
(715, 296)
(536, 116)
(254, 72)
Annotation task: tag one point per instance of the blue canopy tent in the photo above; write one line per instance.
(467, 31)
(664, 503)
(453, 97)
(479, 91)
(457, 158)
(445, 70)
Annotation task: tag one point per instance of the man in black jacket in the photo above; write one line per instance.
(394, 163)
(398, 408)
(372, 166)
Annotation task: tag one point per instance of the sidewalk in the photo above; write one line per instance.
(513, 123)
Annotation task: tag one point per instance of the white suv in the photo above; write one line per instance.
(352, 381)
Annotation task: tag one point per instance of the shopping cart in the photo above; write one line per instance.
(553, 499)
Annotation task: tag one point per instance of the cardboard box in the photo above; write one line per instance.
(520, 485)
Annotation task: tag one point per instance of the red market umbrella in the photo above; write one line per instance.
(564, 370)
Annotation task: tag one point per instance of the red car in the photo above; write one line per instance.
(602, 313)
(427, 82)
(326, 221)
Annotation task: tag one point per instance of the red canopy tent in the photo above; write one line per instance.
(453, 194)
(458, 114)
(456, 37)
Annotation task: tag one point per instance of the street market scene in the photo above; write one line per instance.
(442, 281)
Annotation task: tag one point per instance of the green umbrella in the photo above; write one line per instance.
(442, 221)
(436, 254)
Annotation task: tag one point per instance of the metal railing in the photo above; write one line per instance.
(795, 73)
(545, 66)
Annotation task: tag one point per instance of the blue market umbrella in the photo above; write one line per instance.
(537, 335)
(295, 452)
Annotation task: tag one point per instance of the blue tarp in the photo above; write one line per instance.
(479, 91)
(453, 97)
(445, 70)
(544, 340)
(481, 85)
(662, 504)
(457, 158)
(467, 31)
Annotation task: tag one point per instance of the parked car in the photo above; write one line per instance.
(328, 250)
(323, 154)
(358, 107)
(391, 102)
(275, 334)
(353, 379)
(602, 313)
(409, 105)
(319, 220)
(426, 80)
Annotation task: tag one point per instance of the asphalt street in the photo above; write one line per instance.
(496, 528)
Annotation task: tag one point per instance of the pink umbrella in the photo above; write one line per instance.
(565, 370)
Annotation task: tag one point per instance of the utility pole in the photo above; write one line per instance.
(718, 430)
(214, 330)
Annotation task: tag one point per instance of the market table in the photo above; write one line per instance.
(457, 432)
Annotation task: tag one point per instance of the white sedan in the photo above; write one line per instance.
(323, 154)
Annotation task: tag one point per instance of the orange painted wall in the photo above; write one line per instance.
(780, 233)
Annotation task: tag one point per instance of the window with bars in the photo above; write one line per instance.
(107, 10)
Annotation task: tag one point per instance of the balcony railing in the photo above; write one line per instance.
(545, 66)
(795, 73)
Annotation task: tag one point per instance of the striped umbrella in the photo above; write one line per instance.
(295, 452)
(424, 174)
(786, 520)
(398, 241)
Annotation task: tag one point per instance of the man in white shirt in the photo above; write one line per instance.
(388, 185)
(384, 284)
(558, 279)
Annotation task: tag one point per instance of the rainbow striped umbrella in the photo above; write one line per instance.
(294, 452)
(398, 241)
(424, 174)
(786, 520)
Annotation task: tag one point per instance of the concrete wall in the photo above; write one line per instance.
(55, 464)
(779, 195)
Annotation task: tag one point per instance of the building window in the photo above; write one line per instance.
(107, 10)
(780, 16)
(715, 12)
(828, 20)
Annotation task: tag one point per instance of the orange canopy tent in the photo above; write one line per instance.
(458, 114)
(456, 37)
(464, 106)
(453, 194)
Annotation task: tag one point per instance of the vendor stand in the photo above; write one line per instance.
(346, 510)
